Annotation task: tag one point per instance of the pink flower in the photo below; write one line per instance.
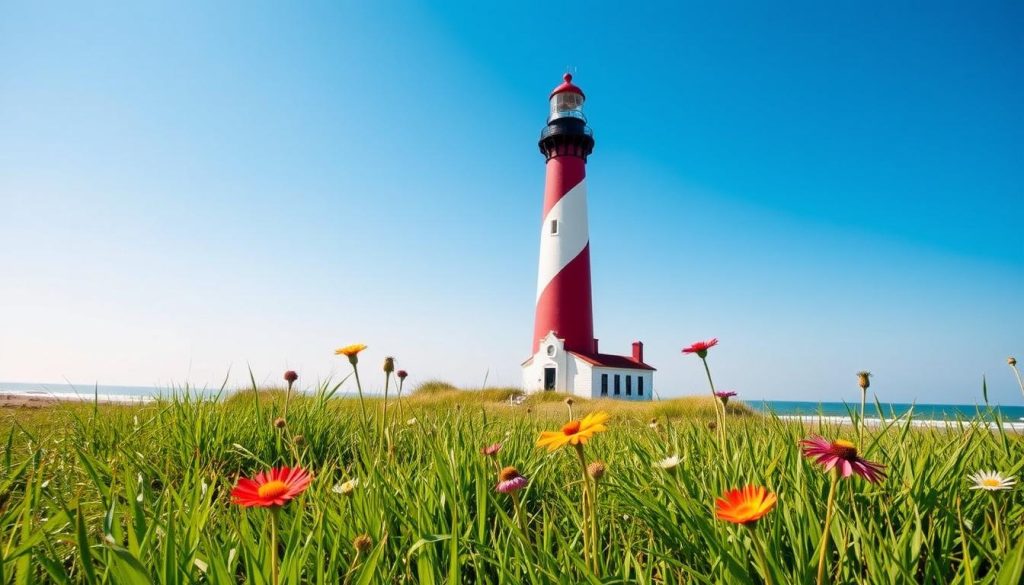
(491, 450)
(509, 480)
(701, 347)
(843, 456)
(725, 395)
(290, 376)
(401, 374)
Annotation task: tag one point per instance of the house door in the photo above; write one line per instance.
(549, 378)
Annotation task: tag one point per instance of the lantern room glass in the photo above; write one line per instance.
(567, 104)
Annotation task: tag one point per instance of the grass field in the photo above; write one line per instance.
(140, 494)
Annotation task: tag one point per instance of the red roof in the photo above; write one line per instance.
(566, 86)
(607, 360)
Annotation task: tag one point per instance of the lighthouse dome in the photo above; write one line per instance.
(566, 100)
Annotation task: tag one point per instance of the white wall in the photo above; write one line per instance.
(647, 375)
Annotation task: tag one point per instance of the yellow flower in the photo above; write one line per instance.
(575, 432)
(351, 351)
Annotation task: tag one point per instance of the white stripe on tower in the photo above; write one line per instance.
(557, 250)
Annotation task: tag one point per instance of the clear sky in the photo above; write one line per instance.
(197, 188)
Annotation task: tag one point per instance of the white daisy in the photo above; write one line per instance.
(669, 462)
(346, 488)
(991, 481)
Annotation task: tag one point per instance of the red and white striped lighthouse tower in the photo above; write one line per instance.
(564, 303)
(565, 355)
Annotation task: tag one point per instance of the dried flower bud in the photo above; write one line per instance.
(596, 469)
(363, 543)
(1011, 360)
(863, 380)
(389, 365)
(298, 439)
(712, 425)
(279, 423)
(569, 401)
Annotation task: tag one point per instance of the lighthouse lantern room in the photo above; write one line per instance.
(565, 353)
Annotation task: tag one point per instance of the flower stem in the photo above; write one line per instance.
(719, 414)
(995, 522)
(586, 507)
(863, 400)
(762, 559)
(362, 405)
(1019, 381)
(520, 519)
(384, 423)
(274, 512)
(825, 534)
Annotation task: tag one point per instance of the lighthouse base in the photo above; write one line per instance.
(554, 369)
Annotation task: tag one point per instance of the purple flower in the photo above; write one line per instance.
(509, 480)
(725, 395)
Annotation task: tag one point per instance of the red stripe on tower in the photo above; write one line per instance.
(564, 302)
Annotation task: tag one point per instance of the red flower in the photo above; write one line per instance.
(290, 376)
(401, 374)
(701, 347)
(271, 488)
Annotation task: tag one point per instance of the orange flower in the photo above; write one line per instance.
(744, 506)
(575, 432)
(271, 488)
(351, 352)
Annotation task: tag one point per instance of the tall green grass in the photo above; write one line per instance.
(114, 494)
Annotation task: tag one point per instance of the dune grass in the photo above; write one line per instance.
(140, 494)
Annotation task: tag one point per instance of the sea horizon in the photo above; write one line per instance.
(785, 408)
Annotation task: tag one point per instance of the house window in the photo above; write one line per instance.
(629, 385)
(554, 227)
(639, 385)
(617, 388)
(604, 384)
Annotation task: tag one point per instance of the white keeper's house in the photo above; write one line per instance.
(565, 355)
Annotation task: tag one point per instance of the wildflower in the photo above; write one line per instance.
(596, 469)
(491, 450)
(402, 374)
(863, 380)
(362, 543)
(991, 481)
(842, 455)
(351, 352)
(701, 347)
(669, 462)
(725, 395)
(574, 432)
(271, 488)
(389, 365)
(279, 423)
(744, 506)
(569, 401)
(346, 488)
(290, 376)
(510, 480)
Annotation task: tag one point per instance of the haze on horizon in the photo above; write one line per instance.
(187, 190)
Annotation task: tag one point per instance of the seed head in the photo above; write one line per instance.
(299, 439)
(279, 423)
(569, 401)
(363, 543)
(863, 379)
(389, 365)
(712, 425)
(596, 469)
(1011, 360)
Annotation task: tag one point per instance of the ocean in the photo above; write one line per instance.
(1014, 413)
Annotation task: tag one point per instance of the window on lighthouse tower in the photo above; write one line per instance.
(567, 104)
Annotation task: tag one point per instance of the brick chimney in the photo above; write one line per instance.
(638, 351)
(595, 346)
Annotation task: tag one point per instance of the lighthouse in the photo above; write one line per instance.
(565, 356)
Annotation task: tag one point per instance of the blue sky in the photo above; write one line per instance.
(189, 189)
